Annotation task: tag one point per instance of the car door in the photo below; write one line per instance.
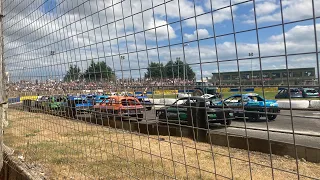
(179, 112)
(110, 106)
(233, 102)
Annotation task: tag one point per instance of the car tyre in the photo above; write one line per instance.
(272, 117)
(162, 116)
(253, 117)
(228, 122)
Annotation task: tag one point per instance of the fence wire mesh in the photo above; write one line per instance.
(171, 89)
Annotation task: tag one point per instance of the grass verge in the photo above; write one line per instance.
(72, 149)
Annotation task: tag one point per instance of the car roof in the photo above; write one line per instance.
(98, 96)
(194, 98)
(119, 98)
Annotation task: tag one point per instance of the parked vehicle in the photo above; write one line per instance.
(294, 93)
(123, 107)
(252, 106)
(309, 92)
(145, 101)
(177, 112)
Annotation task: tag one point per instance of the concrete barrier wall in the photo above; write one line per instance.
(315, 104)
(256, 144)
(294, 104)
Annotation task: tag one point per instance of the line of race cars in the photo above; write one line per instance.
(250, 106)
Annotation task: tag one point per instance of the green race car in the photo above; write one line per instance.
(55, 102)
(178, 111)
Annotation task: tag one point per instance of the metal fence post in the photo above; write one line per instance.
(3, 98)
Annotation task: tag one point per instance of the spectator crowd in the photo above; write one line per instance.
(56, 85)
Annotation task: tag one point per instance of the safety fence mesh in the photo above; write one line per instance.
(171, 89)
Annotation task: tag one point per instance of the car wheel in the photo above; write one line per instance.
(140, 117)
(272, 117)
(162, 116)
(253, 117)
(228, 122)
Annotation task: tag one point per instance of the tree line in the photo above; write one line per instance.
(101, 71)
(96, 71)
(173, 69)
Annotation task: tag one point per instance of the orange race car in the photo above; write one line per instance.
(121, 106)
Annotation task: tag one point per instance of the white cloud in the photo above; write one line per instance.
(202, 33)
(292, 10)
(266, 8)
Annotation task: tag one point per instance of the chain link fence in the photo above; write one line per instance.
(172, 89)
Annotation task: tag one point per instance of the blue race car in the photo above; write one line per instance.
(89, 97)
(81, 104)
(145, 101)
(254, 106)
(100, 98)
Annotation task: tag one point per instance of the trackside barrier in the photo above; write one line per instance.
(267, 89)
(28, 97)
(299, 104)
(13, 100)
(166, 92)
(315, 103)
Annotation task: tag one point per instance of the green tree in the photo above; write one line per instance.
(73, 73)
(174, 69)
(155, 71)
(98, 71)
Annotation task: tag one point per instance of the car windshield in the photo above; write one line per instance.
(311, 91)
(255, 98)
(294, 90)
(45, 98)
(59, 99)
(185, 102)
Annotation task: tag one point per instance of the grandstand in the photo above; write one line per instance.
(297, 76)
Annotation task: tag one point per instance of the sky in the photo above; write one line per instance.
(203, 33)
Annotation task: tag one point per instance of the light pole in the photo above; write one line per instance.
(184, 70)
(121, 59)
(184, 73)
(251, 55)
